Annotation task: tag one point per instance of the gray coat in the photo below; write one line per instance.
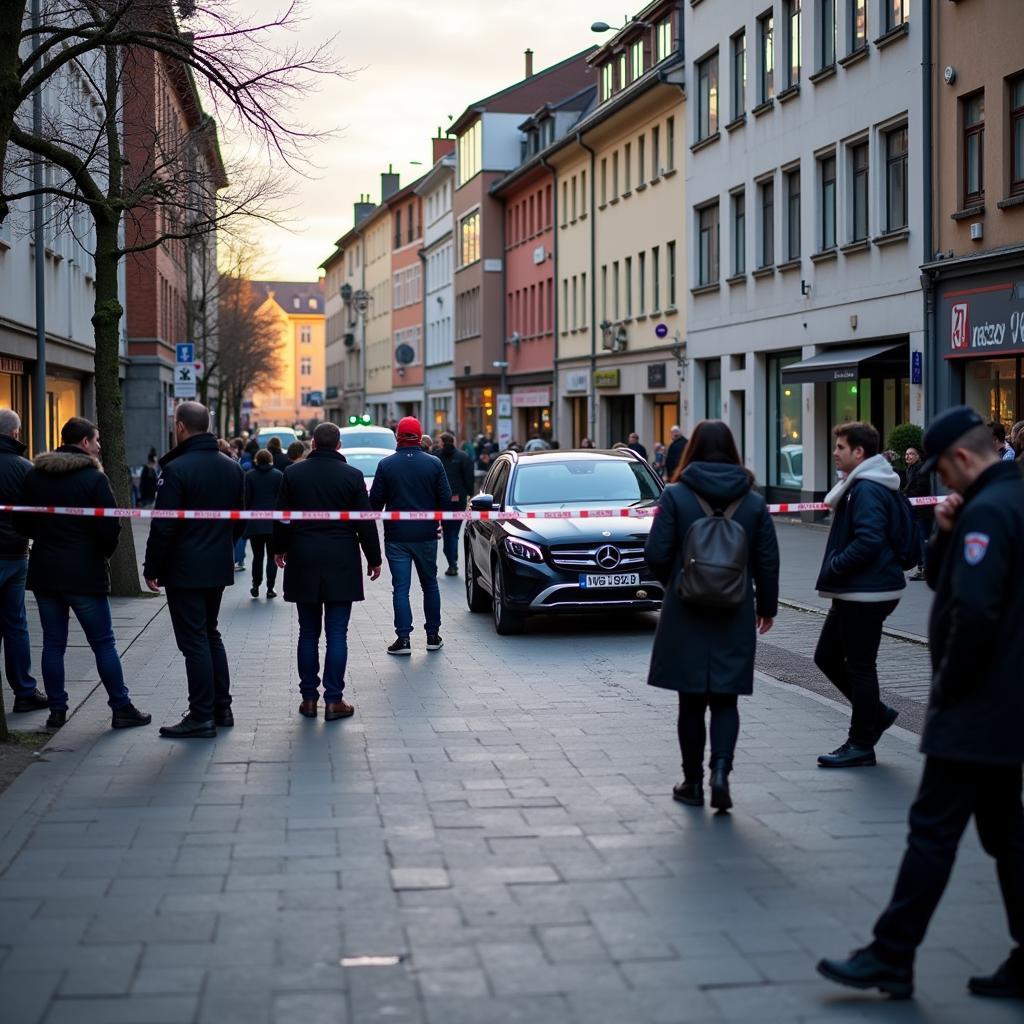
(710, 650)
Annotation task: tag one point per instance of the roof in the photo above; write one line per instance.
(580, 100)
(444, 168)
(284, 293)
(632, 29)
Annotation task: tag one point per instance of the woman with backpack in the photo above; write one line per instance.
(713, 545)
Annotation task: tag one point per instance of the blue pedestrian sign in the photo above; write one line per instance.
(661, 330)
(185, 352)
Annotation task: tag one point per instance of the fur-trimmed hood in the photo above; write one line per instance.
(66, 459)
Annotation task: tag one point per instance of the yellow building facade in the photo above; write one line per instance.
(377, 245)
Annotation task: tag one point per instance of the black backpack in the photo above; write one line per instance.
(716, 556)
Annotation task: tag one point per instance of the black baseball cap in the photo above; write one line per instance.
(946, 430)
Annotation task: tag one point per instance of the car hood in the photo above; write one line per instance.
(568, 531)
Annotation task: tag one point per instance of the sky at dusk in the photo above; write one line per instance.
(415, 63)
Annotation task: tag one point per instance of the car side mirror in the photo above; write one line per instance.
(482, 503)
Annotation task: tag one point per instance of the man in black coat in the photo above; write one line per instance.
(973, 741)
(635, 445)
(194, 560)
(458, 467)
(13, 571)
(323, 574)
(68, 569)
(674, 454)
(262, 487)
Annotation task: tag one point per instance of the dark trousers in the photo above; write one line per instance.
(260, 550)
(847, 654)
(725, 730)
(951, 793)
(331, 618)
(450, 535)
(194, 618)
(14, 626)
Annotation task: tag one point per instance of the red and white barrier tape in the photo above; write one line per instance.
(386, 517)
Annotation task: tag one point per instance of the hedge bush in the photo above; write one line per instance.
(902, 437)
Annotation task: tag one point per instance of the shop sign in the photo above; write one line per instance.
(657, 376)
(577, 380)
(606, 378)
(504, 406)
(8, 365)
(532, 399)
(984, 319)
(916, 367)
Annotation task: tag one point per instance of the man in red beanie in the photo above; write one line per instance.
(412, 480)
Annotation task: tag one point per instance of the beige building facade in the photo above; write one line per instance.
(379, 357)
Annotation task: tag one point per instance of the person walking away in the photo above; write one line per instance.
(412, 480)
(918, 484)
(281, 460)
(458, 468)
(192, 560)
(972, 740)
(14, 467)
(147, 481)
(635, 445)
(296, 452)
(68, 569)
(323, 573)
(262, 485)
(862, 575)
(674, 455)
(248, 457)
(704, 647)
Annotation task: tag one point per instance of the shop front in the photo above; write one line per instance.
(478, 410)
(531, 413)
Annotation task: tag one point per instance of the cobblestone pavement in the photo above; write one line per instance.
(497, 814)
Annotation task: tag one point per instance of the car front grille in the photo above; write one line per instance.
(583, 557)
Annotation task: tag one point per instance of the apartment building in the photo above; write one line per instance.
(406, 398)
(376, 231)
(976, 275)
(805, 225)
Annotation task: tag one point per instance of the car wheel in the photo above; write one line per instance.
(507, 623)
(476, 599)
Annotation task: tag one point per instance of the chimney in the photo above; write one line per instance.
(388, 184)
(362, 209)
(529, 63)
(442, 147)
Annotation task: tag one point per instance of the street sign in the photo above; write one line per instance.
(661, 330)
(504, 433)
(184, 352)
(185, 380)
(504, 407)
(916, 367)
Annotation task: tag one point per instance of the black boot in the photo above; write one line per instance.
(720, 798)
(190, 728)
(223, 716)
(129, 717)
(34, 701)
(56, 719)
(689, 793)
(1006, 983)
(865, 969)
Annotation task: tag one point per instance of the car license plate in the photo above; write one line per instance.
(615, 579)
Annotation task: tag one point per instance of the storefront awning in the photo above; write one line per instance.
(882, 360)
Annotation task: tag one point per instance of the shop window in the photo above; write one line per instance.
(991, 386)
(785, 427)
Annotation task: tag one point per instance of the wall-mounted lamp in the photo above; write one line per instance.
(805, 288)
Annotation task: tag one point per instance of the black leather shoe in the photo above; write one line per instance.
(56, 719)
(129, 717)
(888, 720)
(190, 728)
(271, 594)
(452, 570)
(402, 645)
(434, 642)
(223, 716)
(34, 701)
(720, 797)
(1006, 983)
(254, 592)
(849, 755)
(689, 793)
(865, 970)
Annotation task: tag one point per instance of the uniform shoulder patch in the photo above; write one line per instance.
(975, 547)
(159, 481)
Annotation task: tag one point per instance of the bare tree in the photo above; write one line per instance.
(146, 179)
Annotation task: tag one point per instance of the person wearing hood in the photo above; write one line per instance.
(262, 486)
(194, 561)
(458, 468)
(68, 569)
(862, 575)
(707, 653)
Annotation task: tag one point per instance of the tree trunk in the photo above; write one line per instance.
(106, 321)
(11, 22)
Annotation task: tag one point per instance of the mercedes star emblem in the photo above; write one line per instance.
(608, 557)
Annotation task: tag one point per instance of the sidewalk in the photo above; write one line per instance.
(497, 814)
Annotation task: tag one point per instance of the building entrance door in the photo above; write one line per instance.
(666, 416)
(620, 413)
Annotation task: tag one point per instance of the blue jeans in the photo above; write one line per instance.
(333, 618)
(240, 551)
(14, 626)
(93, 614)
(401, 558)
(450, 533)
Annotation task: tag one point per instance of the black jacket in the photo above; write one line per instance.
(639, 449)
(195, 554)
(698, 651)
(262, 485)
(147, 483)
(415, 481)
(919, 485)
(674, 455)
(458, 467)
(976, 707)
(281, 460)
(323, 558)
(14, 467)
(859, 555)
(69, 553)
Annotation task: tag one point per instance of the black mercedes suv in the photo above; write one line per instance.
(522, 567)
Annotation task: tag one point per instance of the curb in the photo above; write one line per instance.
(895, 634)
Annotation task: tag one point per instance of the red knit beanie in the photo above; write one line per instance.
(409, 432)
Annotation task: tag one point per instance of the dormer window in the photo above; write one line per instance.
(312, 303)
(297, 303)
(637, 54)
(664, 38)
(607, 80)
(623, 71)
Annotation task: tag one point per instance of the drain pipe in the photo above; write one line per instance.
(592, 390)
(555, 384)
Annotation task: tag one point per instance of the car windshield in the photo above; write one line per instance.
(366, 462)
(371, 437)
(599, 482)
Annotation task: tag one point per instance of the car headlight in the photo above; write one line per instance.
(523, 550)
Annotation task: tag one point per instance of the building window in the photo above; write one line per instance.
(470, 155)
(1017, 136)
(641, 283)
(859, 175)
(604, 292)
(656, 279)
(707, 245)
(607, 81)
(583, 300)
(973, 113)
(615, 175)
(858, 24)
(628, 271)
(739, 74)
(641, 159)
(713, 389)
(793, 214)
(670, 144)
(604, 181)
(623, 71)
(469, 239)
(615, 290)
(305, 334)
(637, 54)
(707, 97)
(794, 47)
(896, 179)
(739, 232)
(827, 32)
(655, 151)
(627, 166)
(827, 165)
(306, 367)
(766, 45)
(573, 192)
(896, 13)
(664, 38)
(767, 203)
(671, 247)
